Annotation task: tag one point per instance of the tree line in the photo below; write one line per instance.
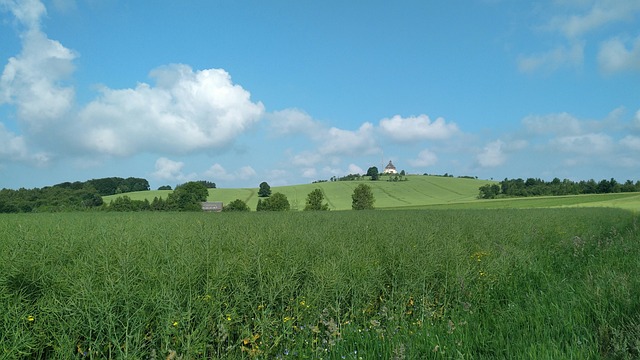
(538, 187)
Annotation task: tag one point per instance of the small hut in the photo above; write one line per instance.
(212, 206)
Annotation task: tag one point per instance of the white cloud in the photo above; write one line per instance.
(345, 142)
(603, 12)
(425, 158)
(552, 60)
(492, 155)
(33, 81)
(14, 148)
(170, 170)
(588, 144)
(307, 159)
(217, 172)
(293, 121)
(355, 169)
(416, 128)
(309, 173)
(631, 142)
(615, 56)
(187, 110)
(560, 124)
(27, 12)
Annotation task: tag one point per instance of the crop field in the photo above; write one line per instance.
(406, 284)
(419, 192)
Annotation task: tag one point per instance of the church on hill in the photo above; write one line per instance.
(390, 169)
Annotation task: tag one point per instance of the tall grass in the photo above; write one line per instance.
(553, 283)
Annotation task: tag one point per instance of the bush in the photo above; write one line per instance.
(236, 205)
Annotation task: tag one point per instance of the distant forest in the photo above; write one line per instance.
(67, 196)
(538, 187)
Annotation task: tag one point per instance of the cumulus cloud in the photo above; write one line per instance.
(416, 128)
(166, 169)
(616, 55)
(560, 124)
(33, 81)
(425, 158)
(14, 148)
(27, 12)
(187, 110)
(492, 154)
(587, 144)
(631, 142)
(601, 13)
(309, 173)
(184, 110)
(293, 121)
(552, 60)
(355, 169)
(218, 172)
(345, 142)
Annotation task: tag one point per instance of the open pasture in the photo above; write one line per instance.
(419, 190)
(406, 284)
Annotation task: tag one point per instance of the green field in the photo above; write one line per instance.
(406, 284)
(416, 193)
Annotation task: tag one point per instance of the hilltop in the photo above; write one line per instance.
(417, 191)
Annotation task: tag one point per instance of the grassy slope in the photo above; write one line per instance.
(419, 192)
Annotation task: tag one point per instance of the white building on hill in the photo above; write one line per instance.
(390, 169)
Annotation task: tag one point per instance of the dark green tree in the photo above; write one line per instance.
(373, 172)
(314, 201)
(362, 198)
(236, 205)
(276, 202)
(165, 187)
(188, 196)
(265, 189)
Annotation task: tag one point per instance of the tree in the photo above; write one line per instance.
(362, 198)
(373, 172)
(265, 189)
(236, 205)
(277, 202)
(188, 196)
(165, 187)
(314, 201)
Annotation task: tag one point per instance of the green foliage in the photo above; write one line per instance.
(207, 184)
(264, 190)
(489, 191)
(314, 201)
(502, 284)
(188, 197)
(373, 172)
(557, 187)
(165, 187)
(111, 185)
(236, 205)
(276, 202)
(362, 198)
(49, 199)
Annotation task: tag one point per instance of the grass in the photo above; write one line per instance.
(419, 192)
(406, 284)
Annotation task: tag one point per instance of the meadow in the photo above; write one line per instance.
(406, 284)
(418, 192)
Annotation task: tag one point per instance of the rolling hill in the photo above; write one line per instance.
(419, 191)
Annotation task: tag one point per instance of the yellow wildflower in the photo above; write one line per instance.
(30, 318)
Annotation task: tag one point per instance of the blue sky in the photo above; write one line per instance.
(288, 92)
